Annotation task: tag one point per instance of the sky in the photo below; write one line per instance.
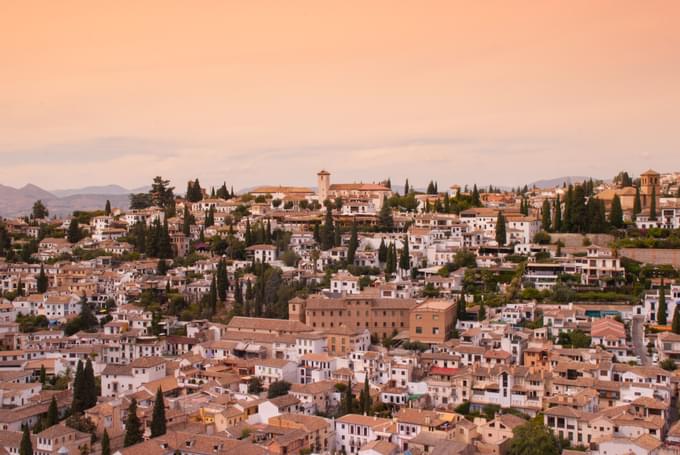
(270, 92)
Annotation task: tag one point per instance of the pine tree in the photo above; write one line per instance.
(353, 245)
(42, 282)
(652, 206)
(73, 234)
(158, 422)
(106, 443)
(77, 405)
(52, 413)
(501, 232)
(133, 426)
(637, 204)
(616, 212)
(107, 208)
(546, 218)
(26, 446)
(661, 317)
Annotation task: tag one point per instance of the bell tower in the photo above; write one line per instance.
(323, 183)
(649, 187)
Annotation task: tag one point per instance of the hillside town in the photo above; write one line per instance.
(346, 318)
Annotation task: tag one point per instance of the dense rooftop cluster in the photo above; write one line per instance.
(349, 318)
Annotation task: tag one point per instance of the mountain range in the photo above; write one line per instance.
(19, 201)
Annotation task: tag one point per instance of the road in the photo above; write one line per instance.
(638, 335)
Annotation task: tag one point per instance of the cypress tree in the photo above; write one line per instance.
(77, 405)
(106, 443)
(348, 401)
(52, 413)
(476, 201)
(616, 212)
(382, 251)
(133, 426)
(107, 208)
(405, 258)
(652, 206)
(212, 298)
(406, 188)
(568, 216)
(557, 226)
(482, 312)
(501, 232)
(637, 204)
(317, 233)
(187, 221)
(73, 233)
(546, 219)
(43, 375)
(248, 236)
(222, 280)
(353, 245)
(42, 282)
(675, 326)
(661, 317)
(26, 446)
(365, 399)
(89, 386)
(158, 422)
(385, 219)
(328, 235)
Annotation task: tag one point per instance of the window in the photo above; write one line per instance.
(419, 330)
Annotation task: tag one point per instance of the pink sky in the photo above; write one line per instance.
(269, 92)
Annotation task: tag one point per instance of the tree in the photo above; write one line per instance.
(385, 220)
(52, 413)
(533, 438)
(501, 233)
(637, 204)
(365, 400)
(107, 208)
(39, 210)
(158, 421)
(661, 317)
(481, 315)
(222, 280)
(347, 404)
(42, 281)
(546, 218)
(106, 443)
(140, 201)
(278, 388)
(89, 386)
(382, 251)
(652, 206)
(328, 234)
(353, 245)
(557, 225)
(475, 199)
(73, 233)
(133, 426)
(405, 258)
(162, 194)
(77, 405)
(255, 385)
(43, 375)
(675, 326)
(194, 191)
(616, 212)
(26, 446)
(406, 188)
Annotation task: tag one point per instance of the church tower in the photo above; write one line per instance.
(649, 185)
(296, 309)
(323, 183)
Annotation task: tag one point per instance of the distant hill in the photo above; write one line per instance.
(19, 201)
(559, 181)
(104, 189)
